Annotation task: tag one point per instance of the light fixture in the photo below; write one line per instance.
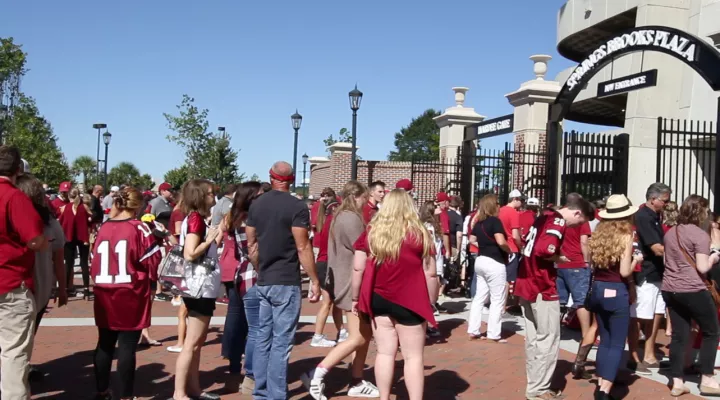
(355, 98)
(106, 138)
(296, 120)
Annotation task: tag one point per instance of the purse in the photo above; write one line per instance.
(185, 278)
(710, 285)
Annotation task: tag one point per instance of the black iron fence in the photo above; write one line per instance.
(431, 177)
(595, 165)
(501, 171)
(686, 157)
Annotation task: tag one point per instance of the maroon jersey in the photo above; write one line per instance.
(537, 273)
(125, 260)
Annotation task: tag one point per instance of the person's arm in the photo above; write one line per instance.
(501, 242)
(459, 240)
(585, 247)
(307, 260)
(430, 267)
(658, 249)
(195, 246)
(517, 238)
(252, 244)
(628, 261)
(359, 261)
(648, 235)
(473, 240)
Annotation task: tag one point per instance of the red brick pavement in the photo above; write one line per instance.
(455, 367)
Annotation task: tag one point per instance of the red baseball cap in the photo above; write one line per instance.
(65, 187)
(442, 196)
(164, 186)
(405, 184)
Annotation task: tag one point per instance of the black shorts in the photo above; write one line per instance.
(400, 314)
(321, 268)
(153, 285)
(203, 307)
(511, 268)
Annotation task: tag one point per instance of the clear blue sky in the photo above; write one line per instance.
(253, 63)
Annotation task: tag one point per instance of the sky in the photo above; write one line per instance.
(252, 63)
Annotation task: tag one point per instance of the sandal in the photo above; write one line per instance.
(497, 341)
(677, 392)
(151, 342)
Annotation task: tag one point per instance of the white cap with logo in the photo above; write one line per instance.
(515, 194)
(533, 201)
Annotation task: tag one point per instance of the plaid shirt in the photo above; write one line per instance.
(246, 275)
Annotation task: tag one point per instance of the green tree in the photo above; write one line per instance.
(176, 177)
(224, 159)
(12, 69)
(419, 141)
(33, 135)
(126, 173)
(87, 167)
(191, 133)
(343, 136)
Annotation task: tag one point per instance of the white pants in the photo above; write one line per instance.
(490, 284)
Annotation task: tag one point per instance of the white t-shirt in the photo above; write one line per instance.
(211, 289)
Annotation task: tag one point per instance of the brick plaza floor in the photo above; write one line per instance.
(455, 367)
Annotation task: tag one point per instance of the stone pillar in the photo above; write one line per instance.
(340, 164)
(532, 102)
(452, 125)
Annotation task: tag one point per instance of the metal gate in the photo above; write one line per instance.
(594, 165)
(686, 157)
(501, 171)
(431, 177)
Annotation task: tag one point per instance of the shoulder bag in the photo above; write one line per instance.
(708, 283)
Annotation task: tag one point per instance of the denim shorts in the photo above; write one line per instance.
(573, 282)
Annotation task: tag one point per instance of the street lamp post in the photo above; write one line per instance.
(355, 99)
(305, 160)
(296, 122)
(97, 159)
(3, 116)
(106, 139)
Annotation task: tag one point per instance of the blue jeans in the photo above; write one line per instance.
(252, 313)
(279, 316)
(575, 282)
(610, 301)
(236, 329)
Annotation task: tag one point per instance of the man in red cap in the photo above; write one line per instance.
(405, 184)
(160, 206)
(62, 197)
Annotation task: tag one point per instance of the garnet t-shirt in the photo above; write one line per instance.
(572, 248)
(510, 219)
(527, 219)
(485, 231)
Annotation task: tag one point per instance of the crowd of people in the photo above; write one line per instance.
(379, 264)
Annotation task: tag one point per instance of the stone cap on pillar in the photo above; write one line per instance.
(459, 114)
(538, 89)
(342, 147)
(318, 160)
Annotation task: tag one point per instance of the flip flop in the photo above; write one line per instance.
(153, 342)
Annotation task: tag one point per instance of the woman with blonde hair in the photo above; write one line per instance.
(610, 297)
(346, 227)
(488, 235)
(393, 291)
(75, 220)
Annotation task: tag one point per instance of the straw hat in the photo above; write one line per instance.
(617, 206)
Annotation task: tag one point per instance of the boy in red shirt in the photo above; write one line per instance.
(537, 290)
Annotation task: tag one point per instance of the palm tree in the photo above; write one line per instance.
(85, 166)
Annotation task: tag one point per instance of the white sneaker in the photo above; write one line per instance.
(315, 387)
(321, 341)
(174, 349)
(343, 336)
(176, 301)
(364, 389)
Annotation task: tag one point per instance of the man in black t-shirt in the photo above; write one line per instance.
(278, 243)
(649, 307)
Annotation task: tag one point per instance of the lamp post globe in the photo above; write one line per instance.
(355, 99)
(296, 122)
(107, 136)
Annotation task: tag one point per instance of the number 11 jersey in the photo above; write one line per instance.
(125, 261)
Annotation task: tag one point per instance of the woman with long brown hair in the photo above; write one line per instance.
(328, 206)
(488, 235)
(197, 237)
(346, 227)
(125, 261)
(239, 277)
(687, 294)
(75, 220)
(612, 259)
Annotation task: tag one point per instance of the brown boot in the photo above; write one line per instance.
(578, 369)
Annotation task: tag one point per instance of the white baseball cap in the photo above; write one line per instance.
(26, 166)
(515, 194)
(114, 189)
(533, 201)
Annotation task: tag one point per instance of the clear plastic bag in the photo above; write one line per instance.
(185, 278)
